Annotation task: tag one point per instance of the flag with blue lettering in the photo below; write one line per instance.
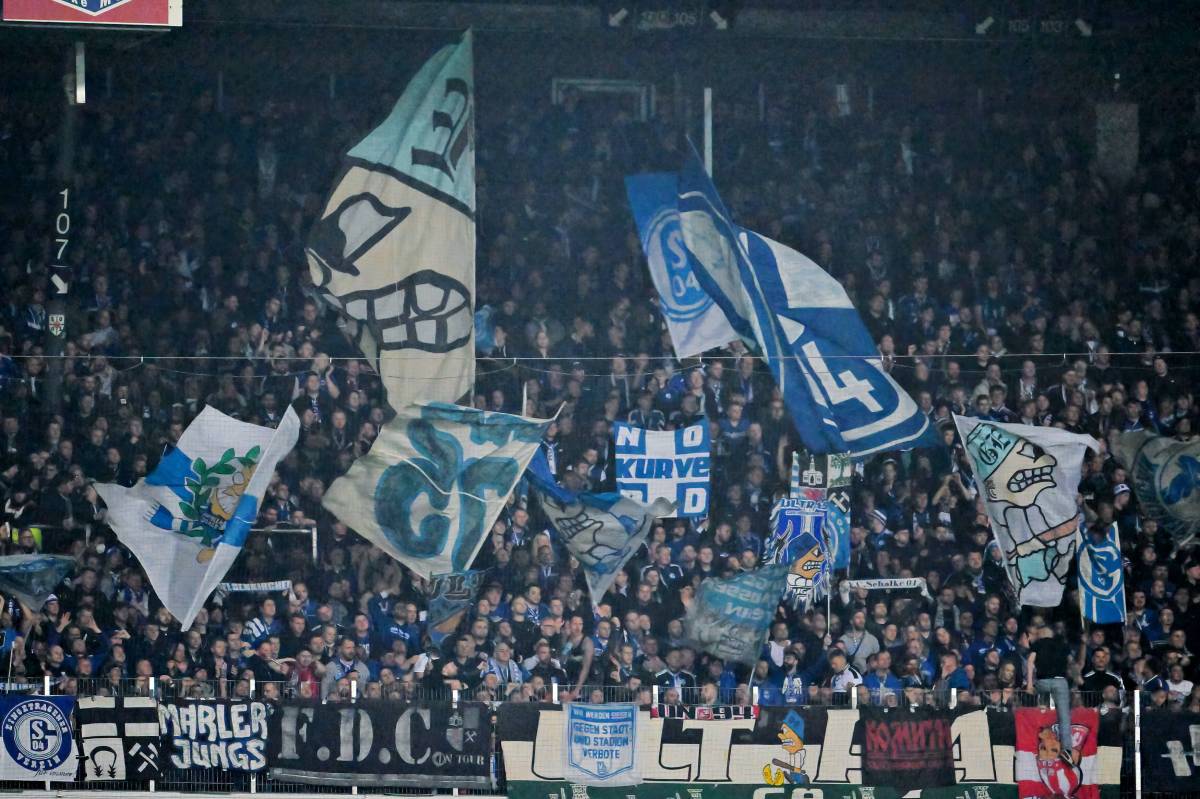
(802, 321)
(33, 578)
(394, 250)
(730, 618)
(188, 519)
(602, 531)
(695, 322)
(451, 599)
(664, 464)
(1102, 576)
(434, 482)
(796, 541)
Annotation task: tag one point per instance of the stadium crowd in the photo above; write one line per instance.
(1001, 274)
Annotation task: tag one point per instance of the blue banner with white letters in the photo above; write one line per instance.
(826, 364)
(1102, 576)
(670, 464)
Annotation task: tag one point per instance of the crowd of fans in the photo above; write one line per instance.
(1001, 274)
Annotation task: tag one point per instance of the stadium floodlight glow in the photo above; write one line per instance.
(983, 27)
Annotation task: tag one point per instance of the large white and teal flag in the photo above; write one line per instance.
(1029, 478)
(802, 322)
(394, 250)
(730, 618)
(603, 531)
(434, 482)
(695, 322)
(187, 520)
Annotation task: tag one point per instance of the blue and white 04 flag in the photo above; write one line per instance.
(188, 519)
(664, 464)
(695, 322)
(1102, 575)
(803, 322)
(434, 482)
(602, 531)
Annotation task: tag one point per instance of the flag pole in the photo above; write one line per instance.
(708, 130)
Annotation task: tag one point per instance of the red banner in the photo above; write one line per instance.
(1041, 770)
(162, 13)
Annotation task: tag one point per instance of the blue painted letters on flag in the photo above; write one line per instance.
(730, 618)
(802, 320)
(669, 464)
(1102, 577)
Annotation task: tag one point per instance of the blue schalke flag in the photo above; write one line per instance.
(801, 319)
(1102, 576)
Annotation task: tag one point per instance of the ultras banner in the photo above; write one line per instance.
(794, 753)
(381, 743)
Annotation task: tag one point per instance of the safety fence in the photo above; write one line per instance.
(143, 735)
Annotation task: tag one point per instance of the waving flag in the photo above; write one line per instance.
(796, 541)
(1029, 477)
(188, 519)
(451, 599)
(730, 618)
(32, 578)
(602, 531)
(1166, 479)
(695, 322)
(394, 250)
(806, 328)
(434, 482)
(1102, 576)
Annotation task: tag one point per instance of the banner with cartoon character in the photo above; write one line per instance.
(394, 250)
(730, 618)
(1102, 575)
(187, 520)
(434, 482)
(796, 540)
(799, 753)
(602, 531)
(1029, 478)
(1166, 479)
(1040, 770)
